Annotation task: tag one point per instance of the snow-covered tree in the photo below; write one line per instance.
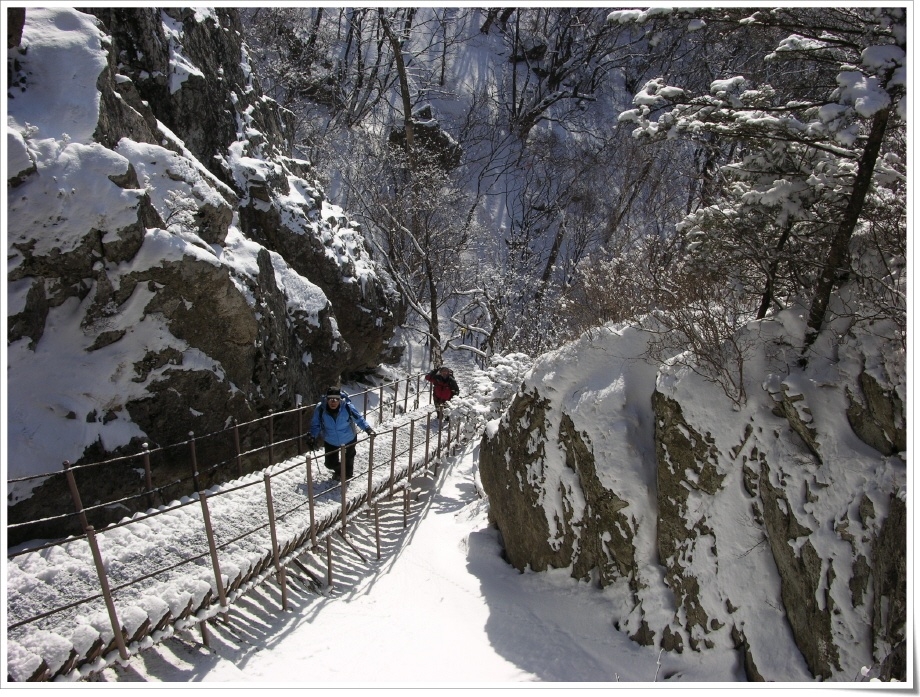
(816, 153)
(561, 57)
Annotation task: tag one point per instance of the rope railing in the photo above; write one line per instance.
(282, 525)
(268, 438)
(300, 409)
(150, 490)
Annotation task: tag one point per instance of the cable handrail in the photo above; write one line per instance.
(330, 521)
(148, 493)
(298, 536)
(163, 448)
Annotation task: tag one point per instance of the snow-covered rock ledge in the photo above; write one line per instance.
(772, 529)
(170, 265)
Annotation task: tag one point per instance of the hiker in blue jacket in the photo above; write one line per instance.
(335, 419)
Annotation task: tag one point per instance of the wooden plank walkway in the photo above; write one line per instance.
(177, 566)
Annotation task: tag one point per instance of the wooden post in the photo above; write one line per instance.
(236, 442)
(427, 441)
(370, 467)
(191, 435)
(106, 592)
(406, 397)
(393, 463)
(344, 482)
(310, 500)
(418, 390)
(271, 438)
(411, 446)
(395, 397)
(377, 526)
(381, 404)
(97, 560)
(148, 477)
(329, 560)
(437, 455)
(279, 570)
(300, 431)
(75, 495)
(405, 507)
(212, 547)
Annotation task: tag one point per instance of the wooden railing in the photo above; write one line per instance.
(155, 476)
(222, 540)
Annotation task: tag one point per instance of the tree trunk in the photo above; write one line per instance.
(767, 298)
(404, 92)
(491, 14)
(314, 32)
(443, 78)
(550, 263)
(840, 244)
(434, 329)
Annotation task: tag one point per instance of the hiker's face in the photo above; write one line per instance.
(333, 401)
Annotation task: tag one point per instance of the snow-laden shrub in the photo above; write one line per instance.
(489, 392)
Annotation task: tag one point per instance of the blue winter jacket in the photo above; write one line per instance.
(337, 429)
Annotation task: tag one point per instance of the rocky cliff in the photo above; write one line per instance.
(774, 530)
(172, 263)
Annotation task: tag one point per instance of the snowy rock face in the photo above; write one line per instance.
(192, 69)
(170, 264)
(587, 530)
(775, 529)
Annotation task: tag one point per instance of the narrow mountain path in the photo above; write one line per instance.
(161, 566)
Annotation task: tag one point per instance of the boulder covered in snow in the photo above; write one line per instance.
(774, 528)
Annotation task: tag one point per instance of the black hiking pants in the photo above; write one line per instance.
(332, 458)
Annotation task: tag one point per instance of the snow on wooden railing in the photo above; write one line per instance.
(192, 567)
(274, 436)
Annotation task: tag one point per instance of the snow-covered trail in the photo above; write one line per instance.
(399, 619)
(159, 564)
(440, 609)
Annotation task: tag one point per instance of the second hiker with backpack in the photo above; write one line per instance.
(445, 387)
(335, 418)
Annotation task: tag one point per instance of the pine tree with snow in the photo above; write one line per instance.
(816, 154)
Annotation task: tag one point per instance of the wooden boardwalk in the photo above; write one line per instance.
(181, 565)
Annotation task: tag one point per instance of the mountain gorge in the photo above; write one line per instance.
(213, 214)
